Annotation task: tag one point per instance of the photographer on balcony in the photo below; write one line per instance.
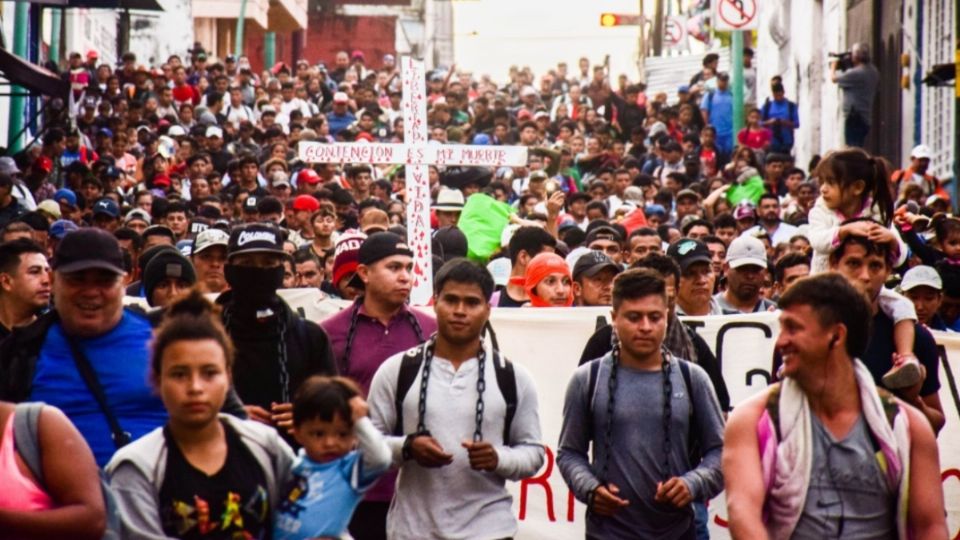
(858, 79)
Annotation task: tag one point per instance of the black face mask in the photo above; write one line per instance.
(252, 285)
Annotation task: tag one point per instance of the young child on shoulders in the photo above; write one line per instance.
(856, 199)
(343, 455)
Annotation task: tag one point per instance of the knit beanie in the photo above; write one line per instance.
(167, 264)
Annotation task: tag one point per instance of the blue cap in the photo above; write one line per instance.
(106, 206)
(683, 89)
(105, 131)
(655, 209)
(65, 195)
(60, 227)
(481, 138)
(111, 172)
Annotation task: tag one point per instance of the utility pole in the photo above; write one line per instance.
(642, 62)
(56, 26)
(17, 100)
(956, 109)
(658, 29)
(737, 79)
(238, 38)
(269, 49)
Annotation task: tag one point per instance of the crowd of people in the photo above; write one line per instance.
(155, 384)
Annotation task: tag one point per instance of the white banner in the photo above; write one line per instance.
(410, 154)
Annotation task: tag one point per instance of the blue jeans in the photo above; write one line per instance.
(701, 517)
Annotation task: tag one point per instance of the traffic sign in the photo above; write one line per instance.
(675, 32)
(608, 20)
(731, 15)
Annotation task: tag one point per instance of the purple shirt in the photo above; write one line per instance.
(373, 343)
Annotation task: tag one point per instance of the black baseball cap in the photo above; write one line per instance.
(88, 248)
(255, 238)
(603, 232)
(381, 245)
(688, 251)
(592, 263)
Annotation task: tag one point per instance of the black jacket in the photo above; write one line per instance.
(258, 369)
(21, 349)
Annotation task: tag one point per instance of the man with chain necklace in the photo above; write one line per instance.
(651, 456)
(461, 420)
(377, 326)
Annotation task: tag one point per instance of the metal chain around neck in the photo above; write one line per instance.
(666, 370)
(344, 362)
(611, 393)
(667, 411)
(282, 360)
(428, 353)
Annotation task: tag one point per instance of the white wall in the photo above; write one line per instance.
(154, 36)
(793, 41)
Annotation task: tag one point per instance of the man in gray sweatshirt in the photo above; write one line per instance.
(460, 420)
(651, 457)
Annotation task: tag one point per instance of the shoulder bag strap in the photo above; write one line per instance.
(120, 437)
(26, 437)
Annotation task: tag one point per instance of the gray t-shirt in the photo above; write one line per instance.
(847, 489)
(859, 89)
(729, 309)
(637, 461)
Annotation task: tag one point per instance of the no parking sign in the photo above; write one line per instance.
(735, 14)
(675, 32)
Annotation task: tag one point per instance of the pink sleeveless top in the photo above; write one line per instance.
(19, 492)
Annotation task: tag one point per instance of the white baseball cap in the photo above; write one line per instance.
(176, 131)
(214, 131)
(921, 151)
(921, 276)
(341, 97)
(500, 269)
(746, 250)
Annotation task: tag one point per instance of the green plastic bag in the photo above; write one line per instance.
(482, 222)
(751, 190)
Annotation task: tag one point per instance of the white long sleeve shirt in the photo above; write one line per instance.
(455, 501)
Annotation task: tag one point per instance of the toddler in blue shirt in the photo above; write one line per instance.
(343, 454)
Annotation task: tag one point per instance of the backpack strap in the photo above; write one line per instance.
(507, 382)
(592, 389)
(773, 408)
(890, 406)
(26, 437)
(694, 450)
(409, 368)
(765, 111)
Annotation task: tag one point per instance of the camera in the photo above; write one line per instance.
(844, 60)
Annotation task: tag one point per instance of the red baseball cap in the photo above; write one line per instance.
(309, 176)
(44, 164)
(306, 203)
(161, 180)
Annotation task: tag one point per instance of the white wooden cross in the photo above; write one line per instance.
(416, 155)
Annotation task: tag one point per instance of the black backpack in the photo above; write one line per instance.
(503, 368)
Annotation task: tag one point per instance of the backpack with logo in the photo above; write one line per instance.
(26, 437)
